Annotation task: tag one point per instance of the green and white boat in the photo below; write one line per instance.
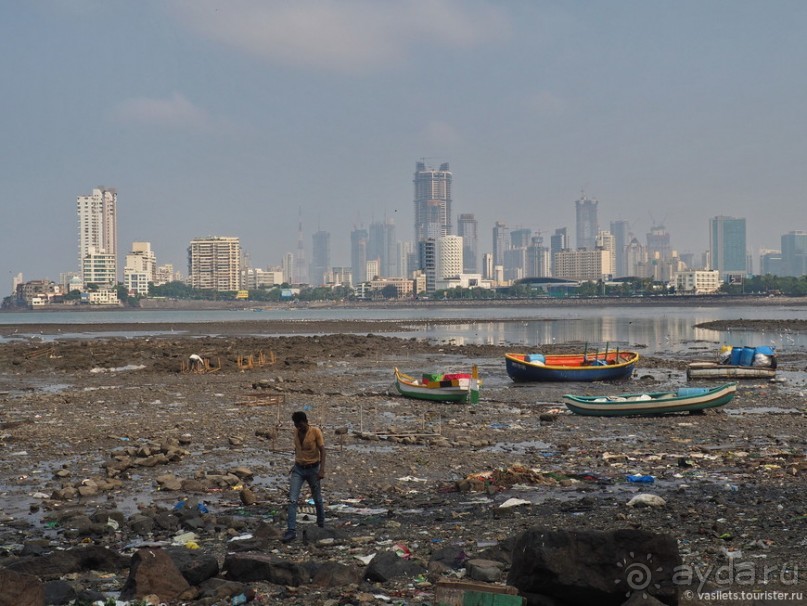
(685, 399)
(446, 387)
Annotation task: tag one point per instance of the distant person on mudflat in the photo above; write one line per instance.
(309, 466)
(196, 362)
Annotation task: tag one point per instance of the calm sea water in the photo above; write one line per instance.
(666, 328)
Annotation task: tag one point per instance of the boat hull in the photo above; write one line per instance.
(570, 368)
(657, 404)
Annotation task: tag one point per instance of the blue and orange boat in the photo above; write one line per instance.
(607, 366)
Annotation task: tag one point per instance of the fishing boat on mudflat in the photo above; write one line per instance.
(442, 387)
(684, 399)
(736, 363)
(607, 366)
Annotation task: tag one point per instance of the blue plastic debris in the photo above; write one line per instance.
(640, 479)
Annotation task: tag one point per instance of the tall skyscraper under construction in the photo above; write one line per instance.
(432, 201)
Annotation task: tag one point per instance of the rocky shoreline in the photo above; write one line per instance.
(116, 463)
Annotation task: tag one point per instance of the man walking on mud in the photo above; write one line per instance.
(309, 466)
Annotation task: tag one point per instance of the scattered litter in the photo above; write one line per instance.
(242, 537)
(641, 479)
(365, 559)
(647, 500)
(412, 479)
(513, 502)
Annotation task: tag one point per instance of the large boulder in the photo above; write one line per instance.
(152, 572)
(595, 567)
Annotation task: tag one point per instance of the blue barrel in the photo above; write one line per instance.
(747, 356)
(736, 353)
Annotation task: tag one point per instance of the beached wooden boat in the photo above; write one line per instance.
(685, 399)
(446, 387)
(714, 370)
(736, 363)
(607, 366)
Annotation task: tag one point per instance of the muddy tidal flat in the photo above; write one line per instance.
(100, 429)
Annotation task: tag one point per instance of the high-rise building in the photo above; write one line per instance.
(621, 232)
(214, 263)
(98, 235)
(468, 230)
(300, 264)
(448, 257)
(427, 253)
(405, 258)
(727, 246)
(606, 241)
(432, 201)
(538, 265)
(381, 245)
(557, 242)
(587, 225)
(794, 253)
(636, 260)
(658, 243)
(358, 255)
(501, 242)
(320, 258)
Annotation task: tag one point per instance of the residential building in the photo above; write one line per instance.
(165, 274)
(99, 268)
(697, 282)
(587, 224)
(140, 269)
(432, 201)
(214, 263)
(448, 257)
(98, 232)
(583, 264)
(255, 278)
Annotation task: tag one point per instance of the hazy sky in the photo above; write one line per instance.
(233, 117)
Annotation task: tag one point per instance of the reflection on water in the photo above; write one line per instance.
(653, 329)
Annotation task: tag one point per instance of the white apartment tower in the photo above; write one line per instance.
(98, 236)
(448, 257)
(214, 263)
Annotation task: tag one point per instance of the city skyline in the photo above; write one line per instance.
(252, 118)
